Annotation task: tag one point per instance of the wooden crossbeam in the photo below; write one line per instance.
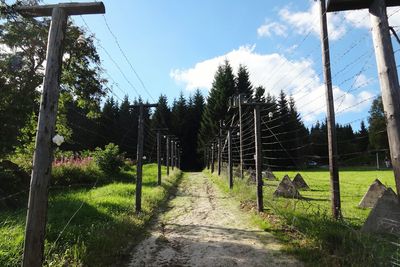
(341, 5)
(69, 8)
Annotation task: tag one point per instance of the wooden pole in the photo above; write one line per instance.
(43, 157)
(230, 163)
(212, 156)
(159, 157)
(36, 218)
(173, 154)
(219, 148)
(207, 158)
(167, 158)
(241, 165)
(389, 81)
(258, 157)
(331, 126)
(139, 168)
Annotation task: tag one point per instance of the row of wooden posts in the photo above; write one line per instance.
(216, 144)
(33, 255)
(172, 153)
(390, 88)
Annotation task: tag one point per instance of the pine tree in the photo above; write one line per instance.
(377, 125)
(223, 88)
(243, 84)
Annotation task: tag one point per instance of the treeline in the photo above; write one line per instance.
(118, 123)
(286, 142)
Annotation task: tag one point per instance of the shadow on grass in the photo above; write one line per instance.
(334, 243)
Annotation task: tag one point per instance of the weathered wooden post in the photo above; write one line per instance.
(158, 157)
(241, 165)
(258, 157)
(230, 162)
(387, 69)
(219, 148)
(331, 125)
(43, 157)
(167, 154)
(212, 156)
(173, 154)
(159, 163)
(139, 167)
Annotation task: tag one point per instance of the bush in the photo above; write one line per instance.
(14, 184)
(77, 171)
(109, 159)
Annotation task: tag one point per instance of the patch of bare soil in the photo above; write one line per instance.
(203, 227)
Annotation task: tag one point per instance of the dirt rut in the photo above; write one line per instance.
(204, 227)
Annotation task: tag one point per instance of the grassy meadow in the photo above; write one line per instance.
(103, 229)
(306, 226)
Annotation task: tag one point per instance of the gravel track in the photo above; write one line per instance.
(204, 227)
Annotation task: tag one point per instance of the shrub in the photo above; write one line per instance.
(109, 159)
(75, 171)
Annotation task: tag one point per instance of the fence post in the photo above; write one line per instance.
(212, 156)
(230, 163)
(42, 159)
(158, 157)
(258, 157)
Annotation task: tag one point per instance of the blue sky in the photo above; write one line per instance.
(175, 46)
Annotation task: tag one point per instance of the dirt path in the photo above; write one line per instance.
(206, 228)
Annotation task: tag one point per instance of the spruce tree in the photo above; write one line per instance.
(223, 88)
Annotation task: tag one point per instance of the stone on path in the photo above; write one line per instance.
(385, 216)
(299, 182)
(286, 189)
(374, 192)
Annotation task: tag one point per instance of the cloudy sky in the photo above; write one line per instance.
(173, 46)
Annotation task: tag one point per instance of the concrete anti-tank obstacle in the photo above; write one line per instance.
(375, 191)
(385, 216)
(268, 175)
(299, 182)
(286, 189)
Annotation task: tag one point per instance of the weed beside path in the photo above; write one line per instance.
(102, 230)
(205, 227)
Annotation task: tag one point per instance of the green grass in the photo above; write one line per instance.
(306, 227)
(102, 232)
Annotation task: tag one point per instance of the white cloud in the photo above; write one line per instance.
(361, 81)
(306, 21)
(275, 72)
(267, 29)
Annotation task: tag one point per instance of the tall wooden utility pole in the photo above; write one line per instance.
(43, 157)
(167, 158)
(241, 165)
(158, 158)
(230, 161)
(258, 157)
(387, 69)
(331, 126)
(159, 154)
(212, 156)
(173, 153)
(389, 81)
(207, 154)
(258, 147)
(219, 138)
(139, 159)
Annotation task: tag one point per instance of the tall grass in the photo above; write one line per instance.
(103, 230)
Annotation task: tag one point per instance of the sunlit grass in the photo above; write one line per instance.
(103, 229)
(306, 226)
